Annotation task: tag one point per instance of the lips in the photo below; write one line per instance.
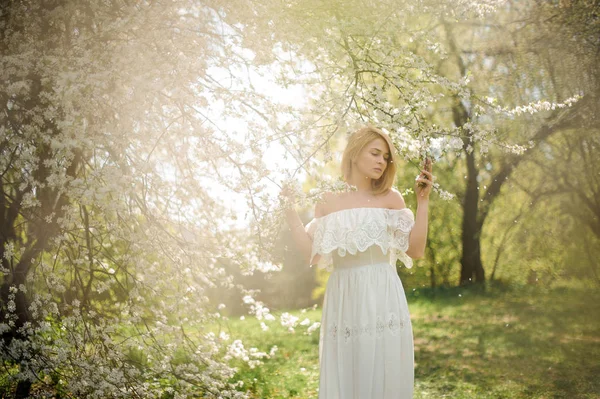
(379, 169)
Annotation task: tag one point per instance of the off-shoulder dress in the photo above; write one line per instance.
(366, 342)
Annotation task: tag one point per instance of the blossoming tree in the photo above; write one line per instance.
(114, 134)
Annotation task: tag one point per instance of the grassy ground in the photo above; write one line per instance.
(501, 343)
(525, 343)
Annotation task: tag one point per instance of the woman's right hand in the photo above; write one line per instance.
(287, 195)
(286, 190)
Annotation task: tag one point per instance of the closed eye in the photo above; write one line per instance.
(387, 158)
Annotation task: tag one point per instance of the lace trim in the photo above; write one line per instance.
(356, 229)
(392, 324)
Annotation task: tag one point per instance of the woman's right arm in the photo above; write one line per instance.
(300, 236)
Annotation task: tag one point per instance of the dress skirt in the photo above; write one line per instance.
(366, 341)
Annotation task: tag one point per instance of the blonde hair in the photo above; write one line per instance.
(356, 142)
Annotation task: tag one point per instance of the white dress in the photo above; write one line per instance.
(366, 342)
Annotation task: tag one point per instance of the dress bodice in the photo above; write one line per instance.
(360, 236)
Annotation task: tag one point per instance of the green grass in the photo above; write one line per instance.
(499, 343)
(293, 372)
(523, 343)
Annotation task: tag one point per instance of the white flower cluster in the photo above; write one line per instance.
(533, 107)
(408, 146)
(257, 308)
(251, 357)
(288, 320)
(327, 183)
(9, 250)
(295, 196)
(313, 327)
(444, 195)
(253, 263)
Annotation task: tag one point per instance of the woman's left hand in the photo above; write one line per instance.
(424, 183)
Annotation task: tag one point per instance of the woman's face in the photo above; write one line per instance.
(373, 159)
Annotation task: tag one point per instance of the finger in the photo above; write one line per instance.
(426, 181)
(427, 173)
(430, 178)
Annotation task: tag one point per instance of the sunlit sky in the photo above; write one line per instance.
(263, 82)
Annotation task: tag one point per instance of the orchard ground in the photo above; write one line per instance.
(501, 342)
(526, 342)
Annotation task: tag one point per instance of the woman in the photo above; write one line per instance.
(366, 342)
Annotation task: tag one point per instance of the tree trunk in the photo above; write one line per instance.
(23, 389)
(472, 267)
(474, 211)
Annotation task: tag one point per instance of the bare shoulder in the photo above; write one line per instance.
(394, 199)
(323, 207)
(328, 199)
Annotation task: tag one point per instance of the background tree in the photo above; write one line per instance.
(527, 87)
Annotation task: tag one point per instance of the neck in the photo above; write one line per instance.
(362, 183)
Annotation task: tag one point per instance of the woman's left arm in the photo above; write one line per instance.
(418, 234)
